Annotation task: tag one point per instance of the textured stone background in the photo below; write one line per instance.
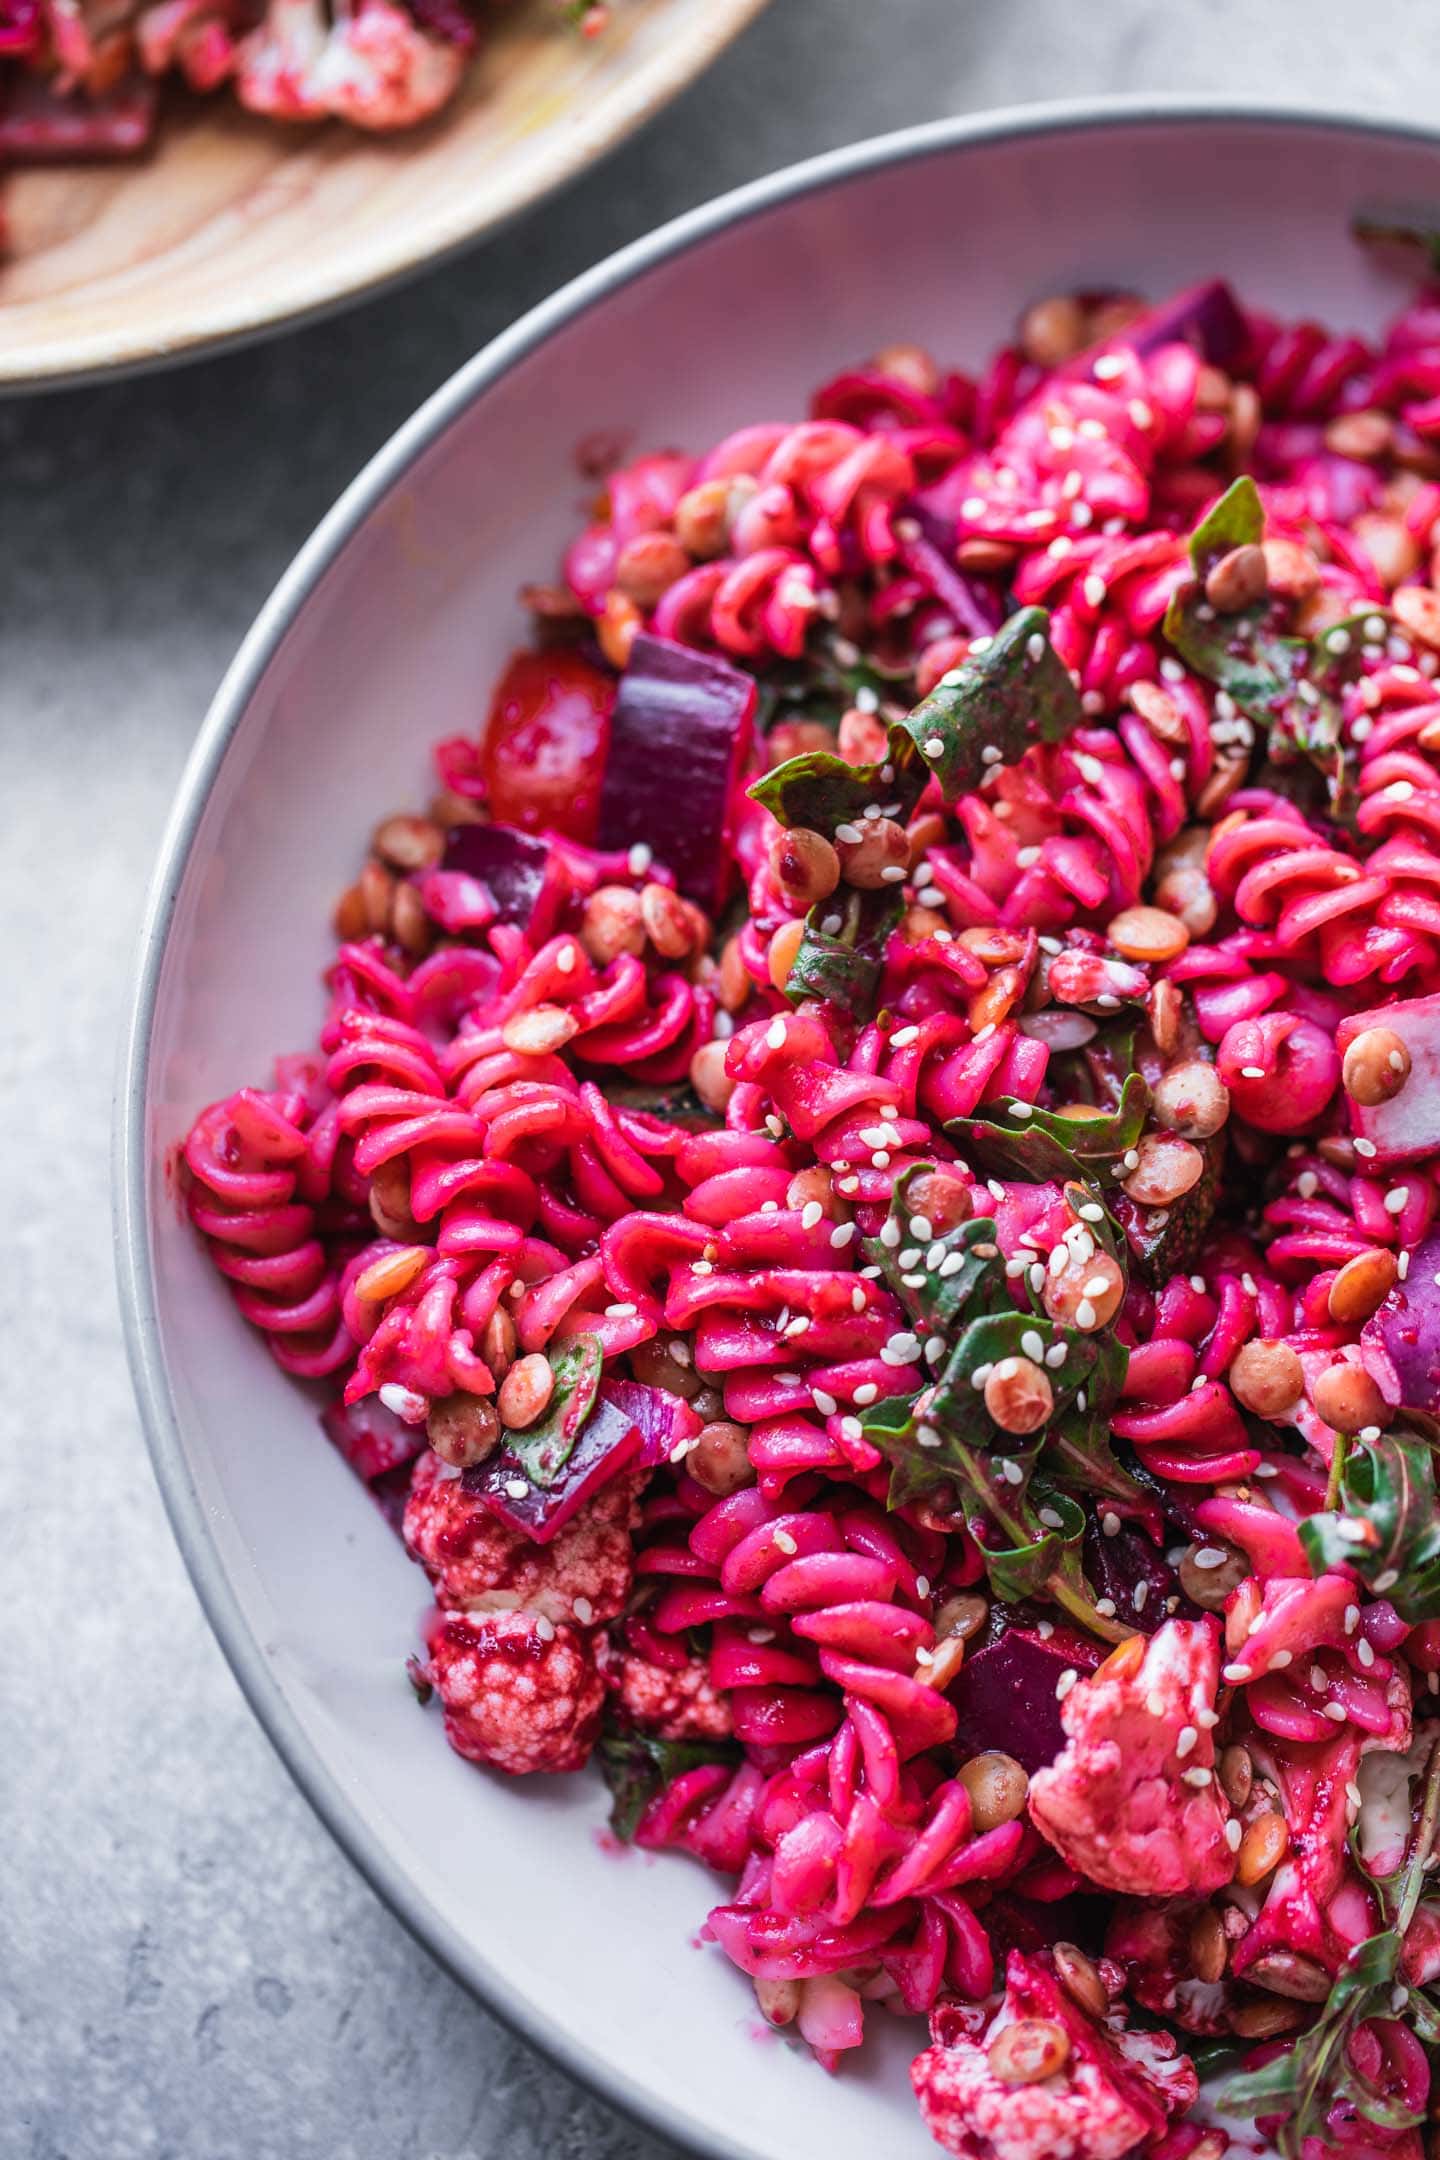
(187, 1967)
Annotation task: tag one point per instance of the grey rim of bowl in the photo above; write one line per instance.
(136, 1281)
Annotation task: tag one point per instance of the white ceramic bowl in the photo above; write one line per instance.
(384, 635)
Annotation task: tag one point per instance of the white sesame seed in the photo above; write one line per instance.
(810, 1214)
(1198, 1778)
(1085, 1316)
(1051, 1519)
(620, 1312)
(1186, 1740)
(783, 1541)
(903, 1037)
(1280, 1659)
(850, 835)
(404, 1402)
(1334, 1712)
(824, 1402)
(1032, 1345)
(1396, 1199)
(1252, 1072)
(1233, 1833)
(1090, 1211)
(866, 1393)
(1065, 1682)
(516, 1487)
(851, 1429)
(934, 746)
(639, 858)
(565, 959)
(1364, 1652)
(1237, 1675)
(841, 1235)
(1110, 1523)
(1385, 1580)
(1056, 1355)
(1364, 1147)
(1210, 1556)
(1105, 1606)
(922, 1586)
(1352, 1618)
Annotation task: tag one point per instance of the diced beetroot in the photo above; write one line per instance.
(1116, 1566)
(1407, 1128)
(39, 126)
(1206, 316)
(608, 1441)
(1005, 1694)
(680, 736)
(521, 873)
(662, 1419)
(371, 1438)
(1401, 1343)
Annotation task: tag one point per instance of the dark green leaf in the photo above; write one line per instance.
(1315, 2072)
(1011, 692)
(1039, 1144)
(1028, 1570)
(967, 1273)
(1288, 684)
(1387, 1523)
(1237, 520)
(544, 1449)
(841, 967)
(1008, 693)
(637, 1768)
(1398, 229)
(1241, 653)
(821, 791)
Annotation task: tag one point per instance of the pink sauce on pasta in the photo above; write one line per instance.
(868, 1185)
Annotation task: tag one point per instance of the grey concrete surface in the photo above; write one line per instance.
(188, 1969)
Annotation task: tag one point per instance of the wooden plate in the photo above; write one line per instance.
(234, 226)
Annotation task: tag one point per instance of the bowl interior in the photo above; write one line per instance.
(394, 646)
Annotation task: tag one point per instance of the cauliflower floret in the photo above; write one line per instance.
(1132, 1800)
(672, 1703)
(478, 1563)
(1114, 2095)
(518, 1693)
(375, 68)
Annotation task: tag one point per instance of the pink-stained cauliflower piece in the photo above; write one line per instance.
(1132, 1801)
(1115, 2095)
(676, 1703)
(374, 67)
(478, 1563)
(518, 1693)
